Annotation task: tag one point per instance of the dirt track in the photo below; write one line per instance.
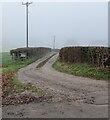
(72, 96)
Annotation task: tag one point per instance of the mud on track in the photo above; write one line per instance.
(72, 96)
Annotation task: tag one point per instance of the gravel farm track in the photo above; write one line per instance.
(71, 96)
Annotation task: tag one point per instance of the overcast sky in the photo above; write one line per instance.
(71, 23)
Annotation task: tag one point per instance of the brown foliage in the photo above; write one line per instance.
(91, 55)
(7, 86)
(31, 51)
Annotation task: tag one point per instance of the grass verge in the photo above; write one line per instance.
(10, 66)
(82, 70)
(8, 69)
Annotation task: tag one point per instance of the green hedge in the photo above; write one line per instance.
(91, 55)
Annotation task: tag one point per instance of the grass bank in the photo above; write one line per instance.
(84, 70)
(8, 69)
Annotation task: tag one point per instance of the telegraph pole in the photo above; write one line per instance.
(54, 42)
(27, 5)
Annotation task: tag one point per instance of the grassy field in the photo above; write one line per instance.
(5, 60)
(8, 69)
(13, 66)
(82, 70)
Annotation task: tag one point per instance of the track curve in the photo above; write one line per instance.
(73, 96)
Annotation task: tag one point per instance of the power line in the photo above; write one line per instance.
(27, 4)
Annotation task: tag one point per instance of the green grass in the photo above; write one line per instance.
(82, 70)
(5, 58)
(21, 87)
(11, 66)
(14, 66)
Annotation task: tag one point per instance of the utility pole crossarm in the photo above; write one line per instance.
(27, 3)
(30, 3)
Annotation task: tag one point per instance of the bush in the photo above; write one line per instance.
(29, 52)
(91, 55)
